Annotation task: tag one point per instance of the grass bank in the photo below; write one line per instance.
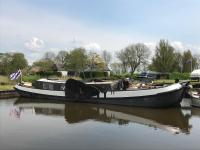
(6, 87)
(170, 81)
(6, 83)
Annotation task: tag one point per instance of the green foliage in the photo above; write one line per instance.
(167, 59)
(35, 77)
(18, 61)
(4, 80)
(95, 62)
(122, 76)
(6, 87)
(31, 78)
(11, 62)
(76, 60)
(164, 60)
(187, 59)
(93, 74)
(164, 81)
(60, 58)
(180, 76)
(45, 65)
(46, 68)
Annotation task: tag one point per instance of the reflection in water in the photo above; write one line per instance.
(172, 119)
(195, 112)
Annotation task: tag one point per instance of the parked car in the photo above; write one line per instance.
(148, 75)
(153, 75)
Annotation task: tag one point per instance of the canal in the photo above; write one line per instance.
(28, 124)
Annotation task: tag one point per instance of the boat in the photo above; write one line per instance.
(171, 120)
(195, 75)
(195, 99)
(104, 93)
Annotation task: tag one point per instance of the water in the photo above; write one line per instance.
(27, 124)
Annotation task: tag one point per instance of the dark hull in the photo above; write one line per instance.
(166, 99)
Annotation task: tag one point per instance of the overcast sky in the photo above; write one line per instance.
(36, 26)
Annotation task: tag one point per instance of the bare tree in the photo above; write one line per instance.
(60, 58)
(49, 56)
(136, 54)
(116, 68)
(106, 57)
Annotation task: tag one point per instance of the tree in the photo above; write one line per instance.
(5, 63)
(18, 61)
(198, 61)
(178, 62)
(136, 54)
(95, 62)
(76, 60)
(164, 59)
(189, 62)
(45, 65)
(116, 68)
(121, 55)
(60, 58)
(10, 62)
(49, 56)
(106, 57)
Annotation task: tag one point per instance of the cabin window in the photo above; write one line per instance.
(45, 86)
(62, 87)
(50, 86)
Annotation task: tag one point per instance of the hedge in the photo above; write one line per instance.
(180, 76)
(31, 78)
(93, 74)
(121, 76)
(49, 73)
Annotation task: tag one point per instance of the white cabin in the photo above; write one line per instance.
(195, 74)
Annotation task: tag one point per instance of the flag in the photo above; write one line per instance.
(15, 75)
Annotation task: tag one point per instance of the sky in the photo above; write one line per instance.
(37, 26)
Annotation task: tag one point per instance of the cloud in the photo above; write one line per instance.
(34, 43)
(183, 47)
(61, 32)
(151, 45)
(92, 47)
(178, 45)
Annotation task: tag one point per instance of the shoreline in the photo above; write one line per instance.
(4, 94)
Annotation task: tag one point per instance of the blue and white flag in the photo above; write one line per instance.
(15, 75)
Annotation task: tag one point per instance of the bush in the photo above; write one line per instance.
(121, 76)
(48, 73)
(116, 76)
(180, 76)
(31, 78)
